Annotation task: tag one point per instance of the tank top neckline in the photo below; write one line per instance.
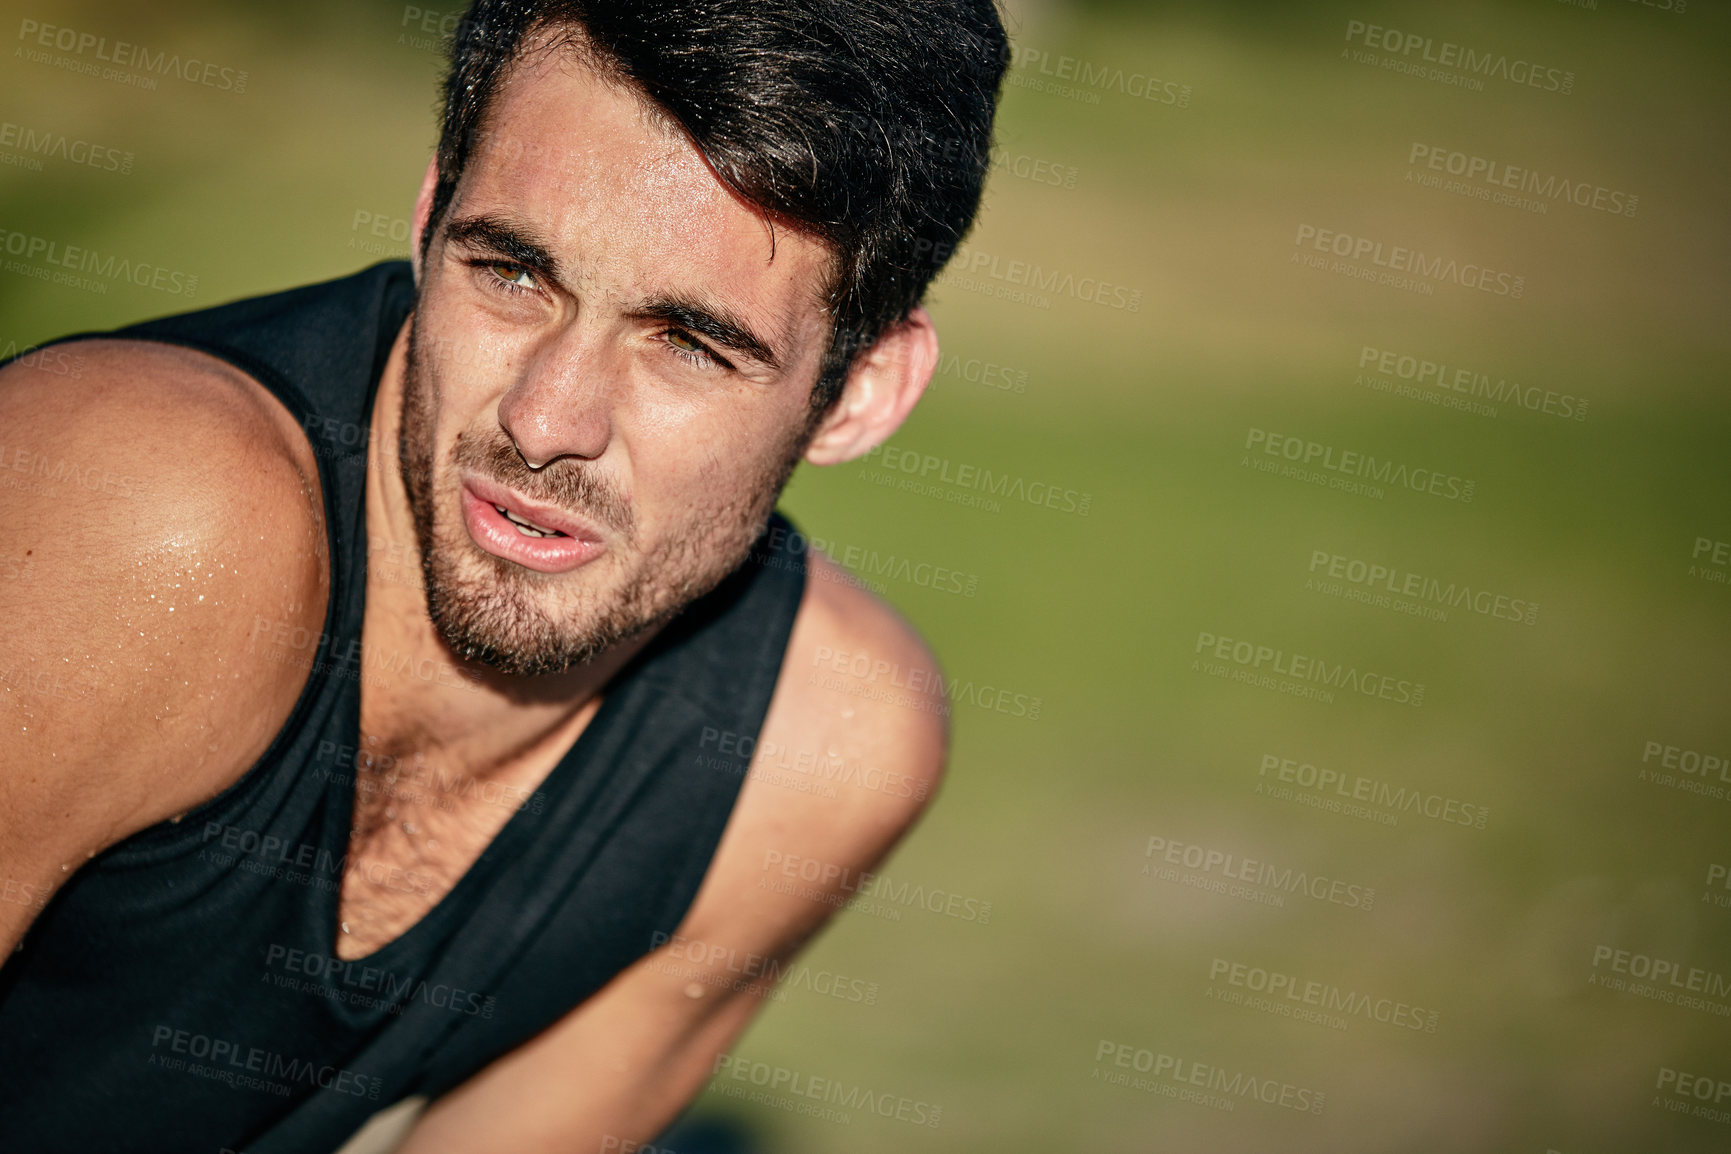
(340, 809)
(210, 924)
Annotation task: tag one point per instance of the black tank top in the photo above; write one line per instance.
(180, 993)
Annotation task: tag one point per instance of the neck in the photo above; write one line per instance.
(419, 698)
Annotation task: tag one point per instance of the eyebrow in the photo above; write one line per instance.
(713, 322)
(704, 318)
(493, 234)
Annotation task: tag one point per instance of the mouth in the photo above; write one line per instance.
(525, 527)
(536, 536)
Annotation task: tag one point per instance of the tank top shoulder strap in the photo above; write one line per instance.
(320, 350)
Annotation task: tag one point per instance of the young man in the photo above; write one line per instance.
(440, 767)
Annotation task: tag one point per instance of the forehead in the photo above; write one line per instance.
(626, 200)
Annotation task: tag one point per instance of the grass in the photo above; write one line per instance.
(1148, 413)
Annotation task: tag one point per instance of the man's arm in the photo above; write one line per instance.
(149, 509)
(626, 1062)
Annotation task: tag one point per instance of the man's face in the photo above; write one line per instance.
(606, 349)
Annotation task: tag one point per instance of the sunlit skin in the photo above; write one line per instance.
(568, 351)
(628, 351)
(633, 322)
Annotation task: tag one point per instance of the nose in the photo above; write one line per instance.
(562, 405)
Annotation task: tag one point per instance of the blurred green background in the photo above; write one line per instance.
(1194, 205)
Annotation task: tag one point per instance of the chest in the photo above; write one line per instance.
(418, 826)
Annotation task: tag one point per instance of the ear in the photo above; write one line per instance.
(423, 210)
(879, 393)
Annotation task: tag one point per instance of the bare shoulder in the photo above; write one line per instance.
(858, 677)
(154, 505)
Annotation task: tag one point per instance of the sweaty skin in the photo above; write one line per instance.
(134, 687)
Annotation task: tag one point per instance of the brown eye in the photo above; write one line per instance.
(691, 350)
(684, 343)
(519, 278)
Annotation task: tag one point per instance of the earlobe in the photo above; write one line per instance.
(881, 390)
(423, 210)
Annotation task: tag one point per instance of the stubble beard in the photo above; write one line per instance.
(512, 619)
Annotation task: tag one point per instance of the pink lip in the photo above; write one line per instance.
(495, 533)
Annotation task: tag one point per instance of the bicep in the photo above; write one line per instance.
(624, 1063)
